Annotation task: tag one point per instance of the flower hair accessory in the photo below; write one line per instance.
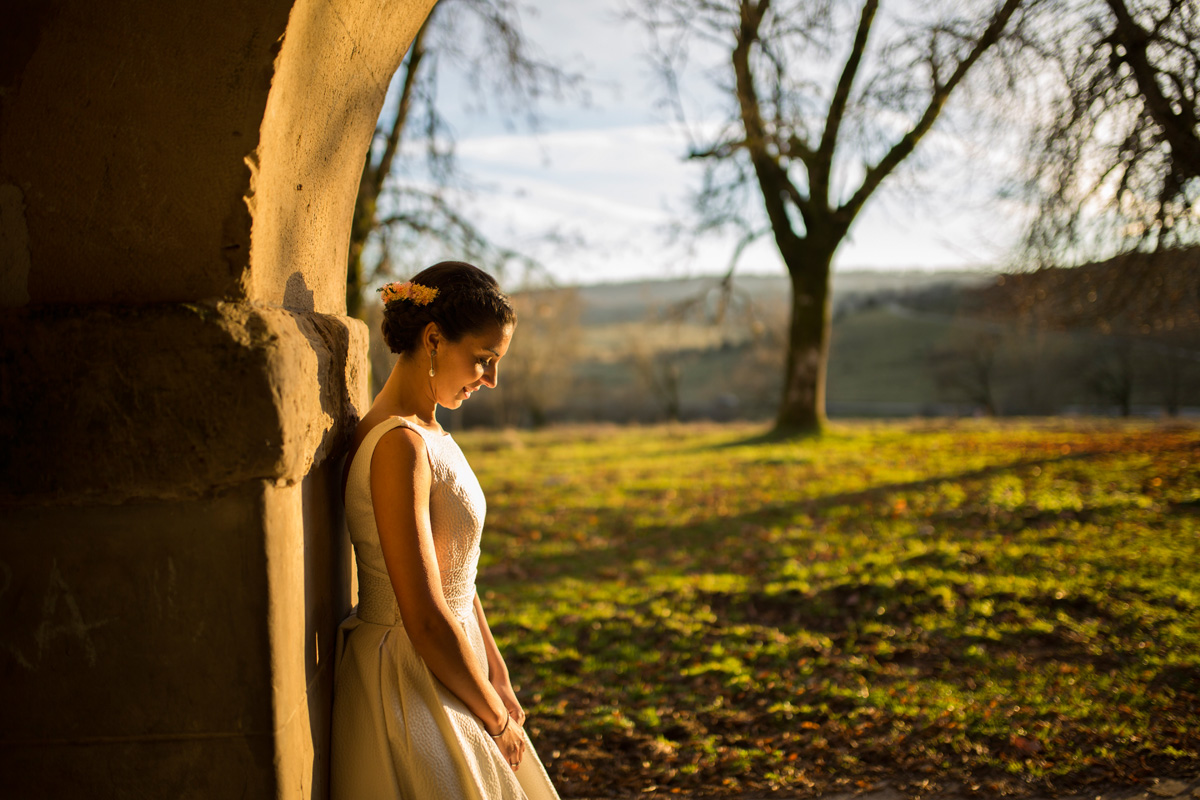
(414, 293)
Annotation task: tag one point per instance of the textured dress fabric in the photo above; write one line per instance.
(397, 731)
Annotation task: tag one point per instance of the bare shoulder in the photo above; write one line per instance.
(368, 423)
(399, 450)
(401, 477)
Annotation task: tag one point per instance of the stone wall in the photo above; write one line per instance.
(177, 385)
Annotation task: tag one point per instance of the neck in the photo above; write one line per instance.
(408, 393)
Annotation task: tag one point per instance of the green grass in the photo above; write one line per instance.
(994, 608)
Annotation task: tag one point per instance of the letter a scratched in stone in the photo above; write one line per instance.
(73, 627)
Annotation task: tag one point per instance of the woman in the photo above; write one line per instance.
(423, 708)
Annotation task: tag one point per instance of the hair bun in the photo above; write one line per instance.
(458, 297)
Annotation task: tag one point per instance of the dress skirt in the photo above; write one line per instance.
(399, 733)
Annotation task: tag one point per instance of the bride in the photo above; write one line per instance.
(423, 708)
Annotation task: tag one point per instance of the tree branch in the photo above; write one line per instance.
(719, 151)
(903, 148)
(1177, 129)
(798, 148)
(748, 238)
(819, 177)
(772, 178)
(412, 65)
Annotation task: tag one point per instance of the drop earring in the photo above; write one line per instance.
(432, 371)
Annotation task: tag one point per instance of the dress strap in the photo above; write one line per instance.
(360, 465)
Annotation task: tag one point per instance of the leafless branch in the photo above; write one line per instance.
(907, 143)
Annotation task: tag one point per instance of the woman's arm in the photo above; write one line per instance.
(400, 484)
(497, 669)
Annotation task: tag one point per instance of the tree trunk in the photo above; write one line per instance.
(1173, 366)
(361, 226)
(1125, 395)
(802, 407)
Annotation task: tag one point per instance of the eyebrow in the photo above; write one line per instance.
(493, 352)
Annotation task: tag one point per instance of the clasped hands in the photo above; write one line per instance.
(511, 740)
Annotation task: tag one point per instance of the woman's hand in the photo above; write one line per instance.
(505, 690)
(511, 743)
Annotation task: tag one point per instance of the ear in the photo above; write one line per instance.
(431, 337)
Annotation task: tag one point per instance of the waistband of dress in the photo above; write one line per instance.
(377, 600)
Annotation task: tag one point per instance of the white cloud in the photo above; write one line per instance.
(614, 175)
(619, 188)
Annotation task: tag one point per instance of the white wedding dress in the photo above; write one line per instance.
(397, 731)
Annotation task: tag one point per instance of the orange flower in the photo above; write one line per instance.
(412, 292)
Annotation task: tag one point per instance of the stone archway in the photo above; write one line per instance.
(178, 381)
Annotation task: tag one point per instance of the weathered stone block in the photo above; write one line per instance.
(173, 561)
(193, 636)
(170, 400)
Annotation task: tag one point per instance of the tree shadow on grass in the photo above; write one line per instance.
(770, 436)
(883, 621)
(707, 543)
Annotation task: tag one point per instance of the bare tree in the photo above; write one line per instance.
(967, 370)
(1172, 369)
(1109, 374)
(825, 105)
(406, 199)
(1117, 162)
(660, 373)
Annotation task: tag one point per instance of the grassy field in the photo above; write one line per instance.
(995, 608)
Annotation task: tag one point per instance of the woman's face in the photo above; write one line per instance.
(466, 366)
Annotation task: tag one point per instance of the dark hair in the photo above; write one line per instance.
(468, 300)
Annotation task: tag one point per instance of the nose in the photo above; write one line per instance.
(491, 375)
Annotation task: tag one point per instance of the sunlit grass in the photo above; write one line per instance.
(995, 607)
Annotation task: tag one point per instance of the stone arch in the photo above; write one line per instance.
(177, 382)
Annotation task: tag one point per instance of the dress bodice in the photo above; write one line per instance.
(456, 512)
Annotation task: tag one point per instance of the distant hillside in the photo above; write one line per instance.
(904, 344)
(608, 303)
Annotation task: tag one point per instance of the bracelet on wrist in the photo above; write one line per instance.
(507, 719)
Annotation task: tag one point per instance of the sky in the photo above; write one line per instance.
(609, 175)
